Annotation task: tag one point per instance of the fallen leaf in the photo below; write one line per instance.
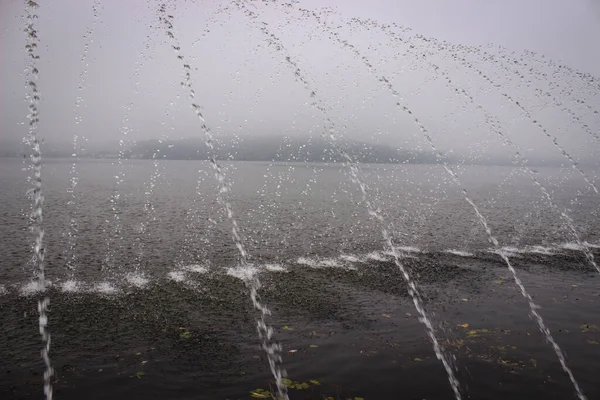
(185, 335)
(465, 299)
(144, 362)
(386, 315)
(417, 359)
(287, 328)
(260, 394)
(534, 362)
(589, 328)
(313, 346)
(138, 354)
(315, 382)
(464, 326)
(592, 342)
(292, 351)
(408, 314)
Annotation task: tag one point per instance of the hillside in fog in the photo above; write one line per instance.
(266, 149)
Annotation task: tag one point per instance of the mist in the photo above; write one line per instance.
(114, 71)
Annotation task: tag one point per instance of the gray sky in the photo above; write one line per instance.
(246, 88)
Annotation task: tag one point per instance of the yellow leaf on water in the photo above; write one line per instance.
(417, 359)
(386, 315)
(313, 346)
(464, 326)
(287, 328)
(589, 328)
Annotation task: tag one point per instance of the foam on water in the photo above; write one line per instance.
(3, 290)
(105, 288)
(71, 286)
(137, 280)
(408, 249)
(197, 268)
(177, 276)
(376, 256)
(350, 258)
(34, 287)
(460, 253)
(275, 268)
(324, 263)
(245, 273)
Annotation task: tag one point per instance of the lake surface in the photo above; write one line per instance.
(155, 308)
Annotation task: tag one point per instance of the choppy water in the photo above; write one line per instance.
(325, 276)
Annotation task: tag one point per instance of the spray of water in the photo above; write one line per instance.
(114, 238)
(265, 332)
(494, 126)
(73, 203)
(37, 219)
(532, 306)
(330, 135)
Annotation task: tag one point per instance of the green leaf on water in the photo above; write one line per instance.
(185, 335)
(417, 359)
(315, 382)
(287, 328)
(287, 382)
(139, 374)
(313, 346)
(261, 394)
(592, 342)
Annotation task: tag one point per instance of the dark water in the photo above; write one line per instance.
(189, 332)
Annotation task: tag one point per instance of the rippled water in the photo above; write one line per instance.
(325, 275)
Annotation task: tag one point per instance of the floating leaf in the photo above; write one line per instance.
(417, 359)
(287, 328)
(185, 335)
(589, 328)
(386, 315)
(313, 346)
(287, 381)
(464, 326)
(261, 394)
(465, 299)
(533, 362)
(315, 382)
(292, 351)
(138, 374)
(592, 342)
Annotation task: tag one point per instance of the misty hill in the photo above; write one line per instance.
(265, 149)
(272, 149)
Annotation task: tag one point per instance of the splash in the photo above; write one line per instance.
(245, 270)
(37, 219)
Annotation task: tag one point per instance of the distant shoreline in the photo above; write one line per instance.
(481, 164)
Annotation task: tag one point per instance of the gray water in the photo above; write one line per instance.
(285, 211)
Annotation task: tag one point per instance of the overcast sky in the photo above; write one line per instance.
(246, 88)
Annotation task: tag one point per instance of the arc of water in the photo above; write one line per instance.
(518, 153)
(553, 139)
(590, 83)
(37, 219)
(330, 134)
(115, 197)
(73, 203)
(532, 305)
(265, 331)
(556, 102)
